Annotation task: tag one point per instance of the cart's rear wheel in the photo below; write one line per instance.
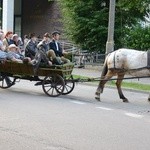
(53, 85)
(69, 85)
(6, 81)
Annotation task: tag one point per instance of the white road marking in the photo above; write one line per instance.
(104, 108)
(134, 115)
(78, 102)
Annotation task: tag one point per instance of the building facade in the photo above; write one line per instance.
(27, 16)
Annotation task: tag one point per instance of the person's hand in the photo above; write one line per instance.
(64, 52)
(49, 63)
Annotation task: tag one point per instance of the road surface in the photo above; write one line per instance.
(30, 120)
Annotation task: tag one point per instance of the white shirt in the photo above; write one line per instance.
(56, 45)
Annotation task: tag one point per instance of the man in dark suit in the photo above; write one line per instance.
(56, 47)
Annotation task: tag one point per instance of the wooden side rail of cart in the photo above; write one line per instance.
(55, 80)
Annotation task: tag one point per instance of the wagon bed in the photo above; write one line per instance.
(55, 80)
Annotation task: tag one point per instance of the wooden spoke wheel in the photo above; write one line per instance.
(69, 85)
(53, 85)
(6, 81)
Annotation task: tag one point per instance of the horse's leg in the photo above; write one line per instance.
(101, 85)
(118, 84)
(149, 97)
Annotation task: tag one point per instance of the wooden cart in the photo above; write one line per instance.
(55, 80)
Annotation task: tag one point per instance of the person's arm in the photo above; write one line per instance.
(53, 47)
(16, 60)
(12, 58)
(2, 47)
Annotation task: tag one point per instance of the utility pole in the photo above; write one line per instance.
(110, 38)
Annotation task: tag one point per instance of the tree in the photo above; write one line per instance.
(86, 22)
(138, 38)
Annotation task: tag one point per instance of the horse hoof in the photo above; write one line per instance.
(125, 100)
(97, 98)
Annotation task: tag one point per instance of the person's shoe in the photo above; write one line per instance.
(38, 83)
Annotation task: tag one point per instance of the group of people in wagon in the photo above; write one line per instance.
(30, 50)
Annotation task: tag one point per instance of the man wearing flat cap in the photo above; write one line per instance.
(55, 46)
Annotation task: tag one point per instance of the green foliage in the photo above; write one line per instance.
(132, 85)
(138, 38)
(86, 22)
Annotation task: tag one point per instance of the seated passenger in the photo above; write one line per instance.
(3, 54)
(31, 46)
(15, 55)
(55, 46)
(18, 41)
(48, 52)
(8, 40)
(44, 54)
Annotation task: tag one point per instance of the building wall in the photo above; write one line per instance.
(40, 16)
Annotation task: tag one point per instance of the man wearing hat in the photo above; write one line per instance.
(55, 46)
(13, 53)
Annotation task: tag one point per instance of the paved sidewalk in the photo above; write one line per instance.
(95, 72)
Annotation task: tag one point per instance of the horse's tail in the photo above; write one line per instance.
(105, 68)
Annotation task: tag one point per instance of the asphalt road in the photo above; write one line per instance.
(30, 120)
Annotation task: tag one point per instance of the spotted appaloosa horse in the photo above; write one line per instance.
(120, 62)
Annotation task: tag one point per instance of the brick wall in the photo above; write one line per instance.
(40, 16)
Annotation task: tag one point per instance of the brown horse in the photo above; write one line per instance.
(121, 62)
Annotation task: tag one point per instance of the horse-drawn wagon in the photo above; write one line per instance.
(58, 80)
(55, 80)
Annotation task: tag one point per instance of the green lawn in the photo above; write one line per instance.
(132, 85)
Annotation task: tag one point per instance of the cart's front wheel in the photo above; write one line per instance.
(6, 81)
(53, 85)
(69, 85)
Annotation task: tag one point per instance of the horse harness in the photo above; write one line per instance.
(148, 62)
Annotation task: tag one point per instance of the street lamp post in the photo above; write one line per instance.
(110, 38)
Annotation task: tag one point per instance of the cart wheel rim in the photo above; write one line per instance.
(6, 81)
(53, 85)
(69, 85)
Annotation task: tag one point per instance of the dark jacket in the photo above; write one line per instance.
(44, 44)
(40, 57)
(52, 45)
(31, 49)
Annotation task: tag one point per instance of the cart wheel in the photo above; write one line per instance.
(6, 81)
(69, 85)
(53, 85)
